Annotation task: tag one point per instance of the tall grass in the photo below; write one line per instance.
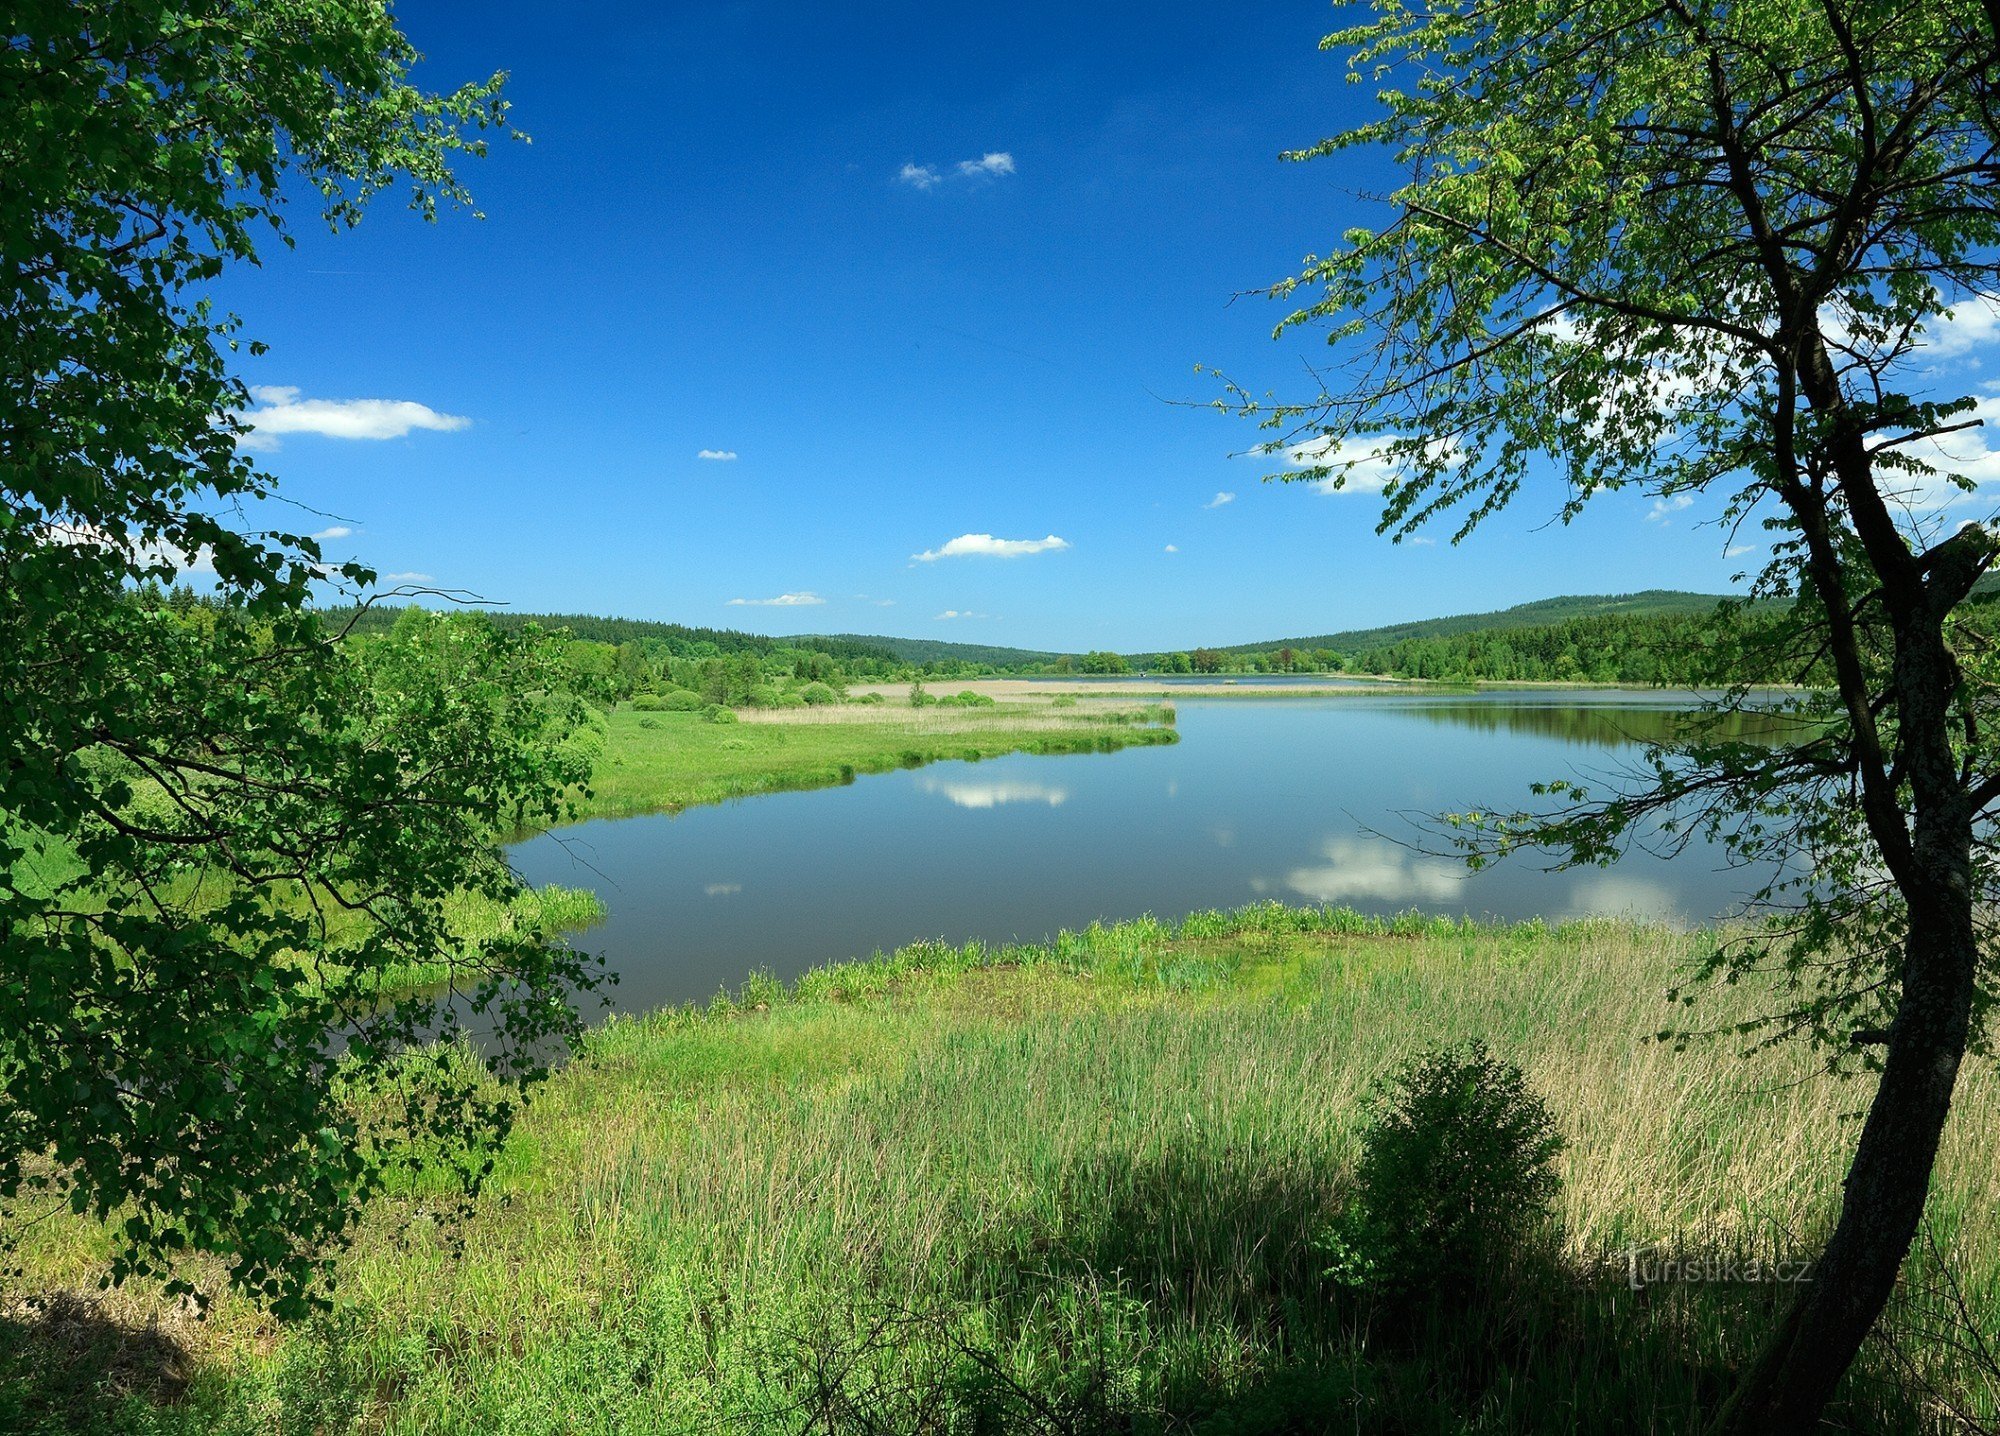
(1086, 1185)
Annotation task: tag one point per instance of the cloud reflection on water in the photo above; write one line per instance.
(1375, 870)
(964, 794)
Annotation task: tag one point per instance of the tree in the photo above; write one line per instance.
(1697, 250)
(228, 842)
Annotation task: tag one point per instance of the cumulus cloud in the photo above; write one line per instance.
(1972, 323)
(991, 165)
(959, 613)
(1420, 541)
(151, 555)
(1354, 466)
(720, 456)
(338, 531)
(783, 600)
(993, 162)
(987, 546)
(282, 409)
(1173, 548)
(1221, 498)
(407, 578)
(1737, 550)
(1666, 507)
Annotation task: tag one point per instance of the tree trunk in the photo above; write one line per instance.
(1887, 1185)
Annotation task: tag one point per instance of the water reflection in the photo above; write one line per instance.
(1375, 870)
(1598, 724)
(962, 793)
(1294, 797)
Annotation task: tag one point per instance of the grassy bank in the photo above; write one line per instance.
(662, 762)
(1080, 1186)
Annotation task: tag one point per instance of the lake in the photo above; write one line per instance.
(1294, 798)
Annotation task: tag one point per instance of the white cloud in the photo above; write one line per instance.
(1737, 550)
(1221, 498)
(1374, 869)
(722, 889)
(987, 546)
(720, 456)
(1666, 507)
(1972, 323)
(994, 162)
(407, 578)
(1420, 541)
(991, 165)
(783, 600)
(281, 409)
(960, 613)
(338, 531)
(1173, 548)
(1357, 466)
(88, 535)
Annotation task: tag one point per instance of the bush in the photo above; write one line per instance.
(716, 713)
(679, 700)
(872, 699)
(765, 695)
(966, 698)
(648, 703)
(818, 694)
(1457, 1169)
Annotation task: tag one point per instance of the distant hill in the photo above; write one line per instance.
(935, 650)
(1540, 614)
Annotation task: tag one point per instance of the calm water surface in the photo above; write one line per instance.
(1267, 797)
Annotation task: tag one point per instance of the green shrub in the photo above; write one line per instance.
(966, 698)
(818, 694)
(649, 723)
(680, 700)
(872, 699)
(716, 713)
(1457, 1169)
(764, 695)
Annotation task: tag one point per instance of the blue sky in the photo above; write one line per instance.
(926, 272)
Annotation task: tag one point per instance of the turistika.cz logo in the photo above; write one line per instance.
(1645, 1266)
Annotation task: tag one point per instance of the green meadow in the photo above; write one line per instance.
(665, 761)
(1091, 1185)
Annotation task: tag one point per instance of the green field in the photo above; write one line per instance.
(662, 762)
(1084, 1186)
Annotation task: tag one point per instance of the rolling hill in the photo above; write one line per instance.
(1541, 613)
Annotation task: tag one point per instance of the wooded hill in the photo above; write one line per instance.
(1542, 613)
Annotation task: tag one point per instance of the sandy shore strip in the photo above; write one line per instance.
(1019, 689)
